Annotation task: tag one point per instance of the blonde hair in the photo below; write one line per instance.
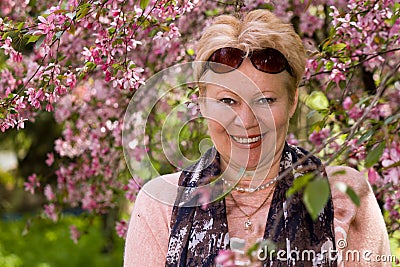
(256, 30)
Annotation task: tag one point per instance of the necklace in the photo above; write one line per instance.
(251, 190)
(248, 224)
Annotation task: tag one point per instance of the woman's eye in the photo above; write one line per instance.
(266, 100)
(227, 101)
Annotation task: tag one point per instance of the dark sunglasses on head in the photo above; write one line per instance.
(267, 60)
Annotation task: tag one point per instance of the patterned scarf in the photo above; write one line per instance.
(198, 233)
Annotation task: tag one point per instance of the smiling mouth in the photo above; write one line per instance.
(248, 141)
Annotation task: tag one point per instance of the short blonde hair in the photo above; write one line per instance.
(256, 30)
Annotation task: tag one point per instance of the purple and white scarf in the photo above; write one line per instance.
(198, 234)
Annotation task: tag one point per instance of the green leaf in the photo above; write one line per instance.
(375, 154)
(212, 12)
(338, 47)
(392, 118)
(90, 65)
(20, 26)
(83, 10)
(5, 35)
(353, 196)
(190, 52)
(329, 65)
(349, 191)
(58, 35)
(3, 113)
(366, 136)
(144, 4)
(60, 11)
(111, 30)
(342, 84)
(117, 66)
(316, 196)
(72, 29)
(13, 111)
(40, 41)
(317, 101)
(33, 38)
(299, 183)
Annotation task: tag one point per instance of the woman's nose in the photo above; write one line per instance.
(245, 117)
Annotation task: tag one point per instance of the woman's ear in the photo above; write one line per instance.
(294, 105)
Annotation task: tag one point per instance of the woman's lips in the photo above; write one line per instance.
(248, 141)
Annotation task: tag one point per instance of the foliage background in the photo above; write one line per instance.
(69, 68)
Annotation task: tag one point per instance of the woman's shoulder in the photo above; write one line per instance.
(351, 177)
(171, 178)
(362, 226)
(162, 189)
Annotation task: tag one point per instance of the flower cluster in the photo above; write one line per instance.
(387, 186)
(366, 45)
(121, 228)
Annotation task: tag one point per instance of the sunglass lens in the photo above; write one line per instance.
(225, 59)
(269, 60)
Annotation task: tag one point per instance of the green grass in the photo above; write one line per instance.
(394, 245)
(49, 245)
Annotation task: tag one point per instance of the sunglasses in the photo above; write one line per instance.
(267, 60)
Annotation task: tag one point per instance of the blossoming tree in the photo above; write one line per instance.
(82, 61)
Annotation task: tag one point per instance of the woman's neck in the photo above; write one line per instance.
(251, 178)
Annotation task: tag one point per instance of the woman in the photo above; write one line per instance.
(248, 77)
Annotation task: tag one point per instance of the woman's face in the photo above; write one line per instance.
(247, 112)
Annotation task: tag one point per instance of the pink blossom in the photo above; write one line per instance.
(225, 258)
(310, 23)
(74, 233)
(35, 97)
(318, 137)
(391, 156)
(70, 80)
(16, 56)
(89, 200)
(48, 192)
(46, 25)
(373, 176)
(49, 107)
(347, 103)
(384, 110)
(355, 113)
(50, 212)
(122, 228)
(32, 184)
(132, 188)
(337, 76)
(292, 140)
(9, 50)
(50, 159)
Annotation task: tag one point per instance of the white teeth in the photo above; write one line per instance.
(247, 140)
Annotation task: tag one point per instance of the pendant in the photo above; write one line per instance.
(248, 225)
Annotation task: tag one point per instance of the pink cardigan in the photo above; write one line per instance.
(360, 231)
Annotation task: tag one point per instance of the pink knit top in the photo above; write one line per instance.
(360, 232)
